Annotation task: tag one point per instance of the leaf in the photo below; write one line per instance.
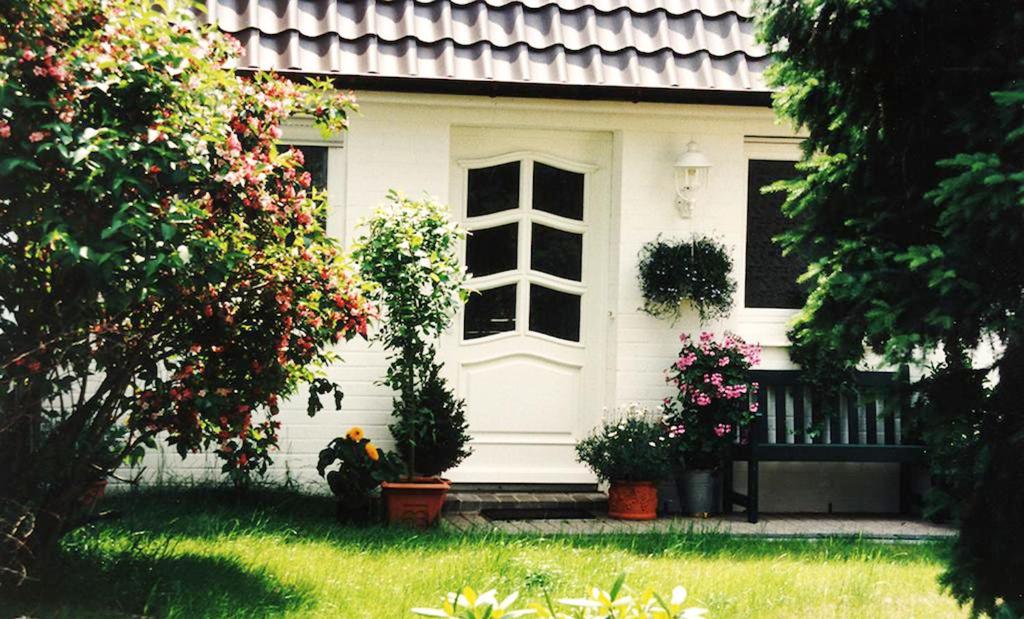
(614, 593)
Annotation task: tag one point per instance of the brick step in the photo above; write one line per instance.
(469, 502)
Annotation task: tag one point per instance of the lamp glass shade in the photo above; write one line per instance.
(692, 158)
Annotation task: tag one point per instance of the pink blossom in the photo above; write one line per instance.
(722, 429)
(37, 136)
(701, 399)
(724, 361)
(753, 407)
(5, 130)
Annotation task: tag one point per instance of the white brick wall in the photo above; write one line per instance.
(402, 142)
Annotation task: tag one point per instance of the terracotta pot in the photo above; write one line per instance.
(415, 502)
(633, 500)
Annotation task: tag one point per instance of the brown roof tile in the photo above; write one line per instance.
(639, 44)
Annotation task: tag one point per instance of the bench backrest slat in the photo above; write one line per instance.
(794, 413)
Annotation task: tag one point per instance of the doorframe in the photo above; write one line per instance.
(599, 255)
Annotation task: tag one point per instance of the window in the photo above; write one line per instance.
(525, 251)
(315, 158)
(316, 162)
(770, 276)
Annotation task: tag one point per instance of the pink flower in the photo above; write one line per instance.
(5, 130)
(701, 399)
(722, 429)
(724, 361)
(753, 407)
(36, 136)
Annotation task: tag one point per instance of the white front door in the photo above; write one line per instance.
(528, 350)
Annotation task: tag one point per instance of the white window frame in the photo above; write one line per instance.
(766, 326)
(525, 215)
(302, 131)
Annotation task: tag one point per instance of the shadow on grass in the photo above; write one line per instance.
(86, 581)
(210, 512)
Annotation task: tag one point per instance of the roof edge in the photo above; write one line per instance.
(537, 90)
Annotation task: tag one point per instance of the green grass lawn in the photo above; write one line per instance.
(206, 553)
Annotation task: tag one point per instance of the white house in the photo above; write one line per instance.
(551, 128)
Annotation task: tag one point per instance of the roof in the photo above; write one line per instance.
(627, 49)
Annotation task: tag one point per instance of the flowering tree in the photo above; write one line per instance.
(713, 398)
(162, 270)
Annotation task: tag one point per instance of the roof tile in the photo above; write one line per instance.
(673, 44)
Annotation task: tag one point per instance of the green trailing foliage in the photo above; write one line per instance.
(695, 271)
(909, 209)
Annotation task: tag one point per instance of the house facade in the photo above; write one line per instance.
(550, 128)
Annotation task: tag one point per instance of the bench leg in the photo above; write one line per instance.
(727, 493)
(752, 491)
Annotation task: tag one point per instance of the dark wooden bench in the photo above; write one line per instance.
(865, 425)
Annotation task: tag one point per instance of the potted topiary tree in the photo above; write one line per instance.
(713, 401)
(632, 453)
(408, 255)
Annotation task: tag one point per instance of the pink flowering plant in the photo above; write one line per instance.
(714, 399)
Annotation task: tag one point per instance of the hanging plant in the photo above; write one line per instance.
(673, 272)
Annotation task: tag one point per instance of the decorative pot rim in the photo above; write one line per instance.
(418, 483)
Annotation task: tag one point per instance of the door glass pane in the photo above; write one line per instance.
(556, 252)
(490, 311)
(554, 313)
(558, 192)
(494, 189)
(492, 250)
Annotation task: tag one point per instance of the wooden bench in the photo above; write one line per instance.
(866, 425)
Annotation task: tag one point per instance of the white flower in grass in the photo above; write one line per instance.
(470, 605)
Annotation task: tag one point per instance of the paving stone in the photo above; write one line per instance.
(770, 526)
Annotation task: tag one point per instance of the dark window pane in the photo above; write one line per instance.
(490, 311)
(316, 162)
(492, 250)
(770, 276)
(558, 192)
(556, 252)
(494, 189)
(555, 313)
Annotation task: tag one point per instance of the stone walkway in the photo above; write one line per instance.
(772, 526)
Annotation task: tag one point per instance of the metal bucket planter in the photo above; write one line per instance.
(700, 491)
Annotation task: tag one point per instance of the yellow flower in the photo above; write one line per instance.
(355, 433)
(371, 450)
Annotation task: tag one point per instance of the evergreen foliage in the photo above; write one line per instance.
(909, 210)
